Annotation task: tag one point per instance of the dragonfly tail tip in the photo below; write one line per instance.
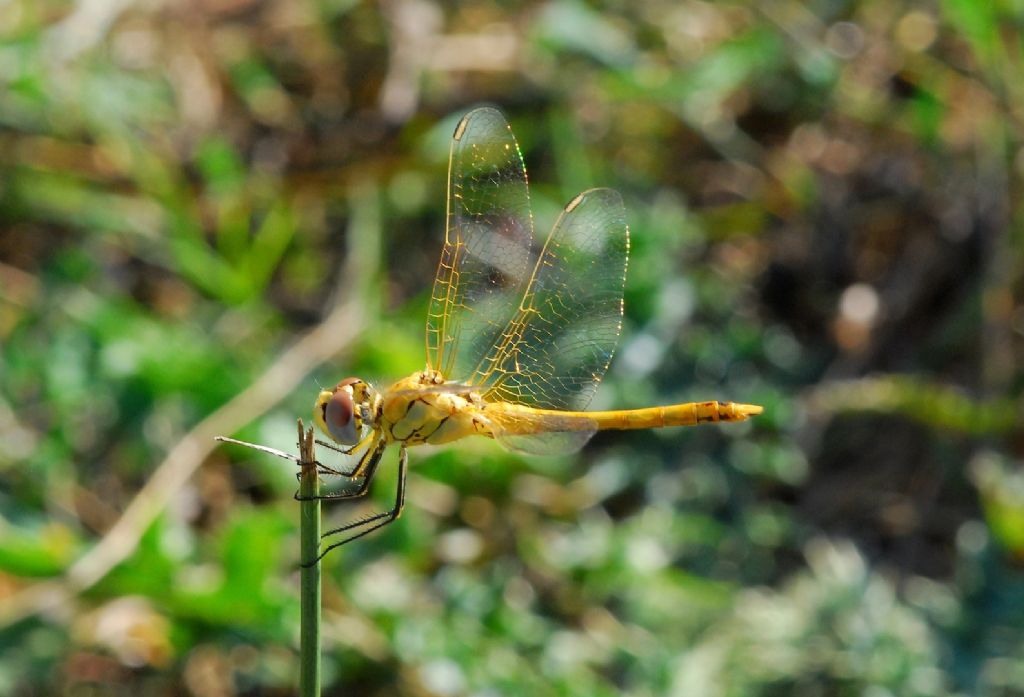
(748, 410)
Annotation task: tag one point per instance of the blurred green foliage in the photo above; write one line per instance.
(824, 201)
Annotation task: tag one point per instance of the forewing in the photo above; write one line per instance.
(487, 257)
(556, 349)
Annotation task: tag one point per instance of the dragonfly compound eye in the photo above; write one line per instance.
(339, 415)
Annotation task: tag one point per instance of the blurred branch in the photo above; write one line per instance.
(334, 334)
(414, 25)
(85, 27)
(939, 406)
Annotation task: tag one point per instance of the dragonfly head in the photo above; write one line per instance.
(344, 410)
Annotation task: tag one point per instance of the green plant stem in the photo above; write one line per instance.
(309, 590)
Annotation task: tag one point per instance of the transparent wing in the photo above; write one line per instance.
(488, 251)
(555, 350)
(541, 434)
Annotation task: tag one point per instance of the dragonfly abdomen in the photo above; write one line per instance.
(689, 414)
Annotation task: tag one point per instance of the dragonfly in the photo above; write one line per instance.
(518, 335)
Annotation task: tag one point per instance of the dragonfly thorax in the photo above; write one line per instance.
(344, 411)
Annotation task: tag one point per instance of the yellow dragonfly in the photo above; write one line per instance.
(518, 334)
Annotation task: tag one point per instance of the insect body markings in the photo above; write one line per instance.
(424, 409)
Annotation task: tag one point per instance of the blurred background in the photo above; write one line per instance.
(209, 208)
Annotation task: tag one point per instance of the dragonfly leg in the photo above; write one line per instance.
(330, 471)
(348, 451)
(366, 525)
(368, 463)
